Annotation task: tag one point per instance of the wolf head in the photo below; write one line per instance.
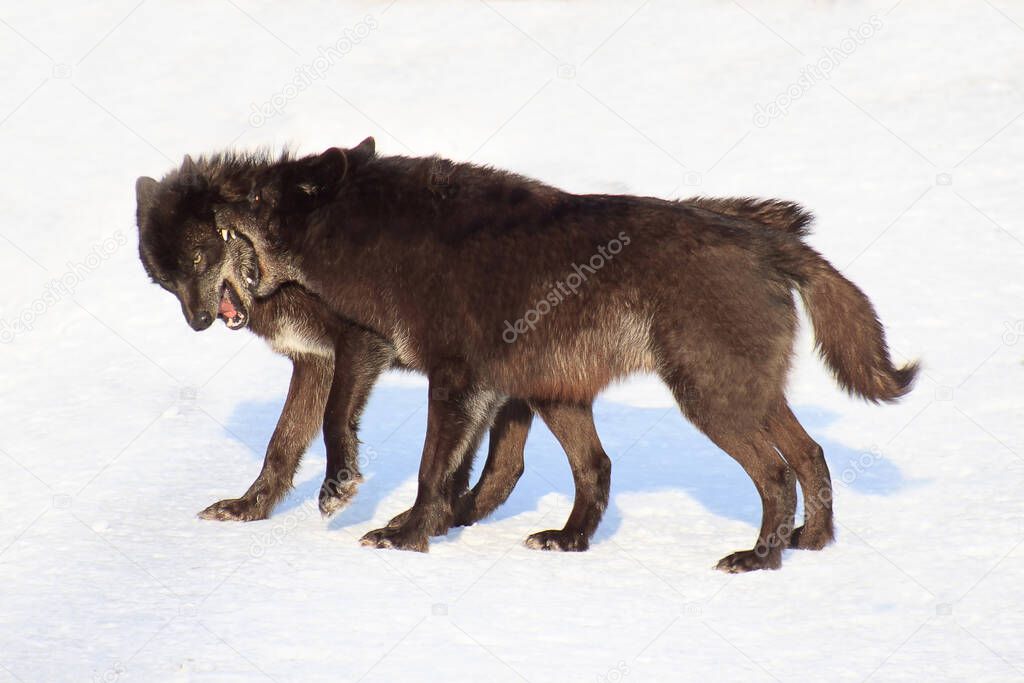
(281, 195)
(213, 273)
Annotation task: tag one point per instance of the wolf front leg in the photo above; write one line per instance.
(298, 424)
(457, 486)
(359, 359)
(573, 426)
(457, 410)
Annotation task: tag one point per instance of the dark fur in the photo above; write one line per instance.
(701, 297)
(335, 362)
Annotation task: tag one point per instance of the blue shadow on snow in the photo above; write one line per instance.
(652, 449)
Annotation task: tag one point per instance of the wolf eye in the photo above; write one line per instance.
(197, 258)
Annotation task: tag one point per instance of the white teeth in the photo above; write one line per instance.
(224, 234)
(233, 235)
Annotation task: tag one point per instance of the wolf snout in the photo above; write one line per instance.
(200, 321)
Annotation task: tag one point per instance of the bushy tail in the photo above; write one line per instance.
(848, 334)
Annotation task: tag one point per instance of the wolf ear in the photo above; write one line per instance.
(329, 169)
(336, 164)
(311, 182)
(145, 191)
(325, 172)
(364, 151)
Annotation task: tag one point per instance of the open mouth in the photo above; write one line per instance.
(231, 310)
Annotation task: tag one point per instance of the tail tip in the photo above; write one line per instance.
(902, 381)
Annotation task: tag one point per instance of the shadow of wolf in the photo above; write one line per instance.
(634, 437)
(699, 292)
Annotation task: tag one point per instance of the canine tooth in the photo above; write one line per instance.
(233, 235)
(224, 234)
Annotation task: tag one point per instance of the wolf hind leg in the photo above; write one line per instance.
(739, 430)
(776, 484)
(807, 459)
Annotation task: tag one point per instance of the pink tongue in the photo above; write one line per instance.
(227, 309)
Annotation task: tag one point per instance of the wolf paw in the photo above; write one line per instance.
(335, 497)
(399, 519)
(399, 537)
(809, 539)
(464, 511)
(749, 560)
(557, 539)
(439, 527)
(235, 510)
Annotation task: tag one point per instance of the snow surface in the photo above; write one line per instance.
(118, 423)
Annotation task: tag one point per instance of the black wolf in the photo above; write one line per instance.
(702, 298)
(335, 362)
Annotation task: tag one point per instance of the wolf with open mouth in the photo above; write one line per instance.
(215, 274)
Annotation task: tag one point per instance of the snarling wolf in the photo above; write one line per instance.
(335, 362)
(700, 297)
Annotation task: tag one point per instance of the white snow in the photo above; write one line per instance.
(118, 423)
